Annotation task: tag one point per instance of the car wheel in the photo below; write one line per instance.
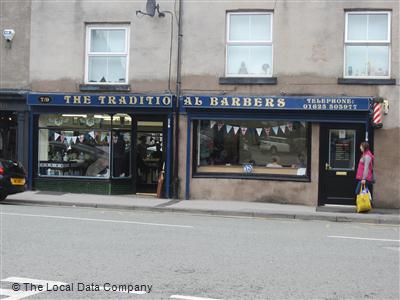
(3, 196)
(274, 150)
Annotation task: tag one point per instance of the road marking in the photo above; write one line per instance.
(191, 298)
(126, 292)
(21, 293)
(360, 238)
(13, 295)
(393, 248)
(98, 220)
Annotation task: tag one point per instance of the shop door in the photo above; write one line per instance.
(339, 156)
(150, 154)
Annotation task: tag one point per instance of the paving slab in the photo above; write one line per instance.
(209, 207)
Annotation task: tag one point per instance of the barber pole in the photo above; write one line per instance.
(377, 116)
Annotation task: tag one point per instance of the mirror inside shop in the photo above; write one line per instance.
(95, 145)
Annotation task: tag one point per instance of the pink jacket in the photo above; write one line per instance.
(365, 165)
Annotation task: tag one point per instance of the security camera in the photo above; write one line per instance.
(8, 34)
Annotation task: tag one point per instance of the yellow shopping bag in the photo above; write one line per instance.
(363, 200)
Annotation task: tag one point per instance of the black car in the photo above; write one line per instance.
(12, 178)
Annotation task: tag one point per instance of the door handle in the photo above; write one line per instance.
(327, 167)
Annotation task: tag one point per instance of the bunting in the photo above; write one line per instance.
(259, 131)
(212, 124)
(283, 128)
(92, 134)
(244, 130)
(56, 136)
(228, 128)
(267, 131)
(74, 138)
(220, 125)
(275, 129)
(236, 129)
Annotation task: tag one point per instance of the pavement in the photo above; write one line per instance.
(210, 207)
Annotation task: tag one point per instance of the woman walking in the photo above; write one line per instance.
(364, 173)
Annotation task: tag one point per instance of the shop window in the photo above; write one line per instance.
(249, 44)
(367, 45)
(74, 145)
(252, 148)
(122, 143)
(107, 55)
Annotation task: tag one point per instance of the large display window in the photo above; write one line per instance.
(83, 145)
(252, 148)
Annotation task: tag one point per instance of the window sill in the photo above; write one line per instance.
(248, 80)
(366, 81)
(104, 87)
(252, 177)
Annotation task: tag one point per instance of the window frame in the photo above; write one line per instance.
(89, 54)
(348, 42)
(249, 43)
(37, 172)
(229, 175)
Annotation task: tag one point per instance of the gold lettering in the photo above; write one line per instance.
(187, 101)
(77, 99)
(101, 99)
(141, 101)
(157, 100)
(86, 100)
(122, 100)
(246, 101)
(150, 100)
(235, 101)
(257, 102)
(132, 100)
(66, 98)
(111, 100)
(269, 102)
(224, 102)
(281, 102)
(213, 101)
(166, 100)
(198, 101)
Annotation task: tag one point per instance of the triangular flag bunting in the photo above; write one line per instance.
(62, 138)
(69, 138)
(220, 125)
(92, 134)
(303, 123)
(283, 128)
(103, 136)
(236, 129)
(275, 129)
(56, 136)
(108, 139)
(212, 124)
(259, 130)
(228, 128)
(267, 131)
(244, 130)
(290, 126)
(74, 138)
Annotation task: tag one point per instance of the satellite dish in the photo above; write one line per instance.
(151, 7)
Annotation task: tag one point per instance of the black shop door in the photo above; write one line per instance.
(339, 156)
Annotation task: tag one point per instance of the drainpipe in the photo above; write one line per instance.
(178, 93)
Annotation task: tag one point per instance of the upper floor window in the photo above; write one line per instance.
(107, 53)
(249, 44)
(367, 45)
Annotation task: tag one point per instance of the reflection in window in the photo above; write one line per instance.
(269, 147)
(74, 145)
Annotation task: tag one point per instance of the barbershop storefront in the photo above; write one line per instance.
(100, 144)
(293, 149)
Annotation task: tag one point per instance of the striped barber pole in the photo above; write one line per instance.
(377, 116)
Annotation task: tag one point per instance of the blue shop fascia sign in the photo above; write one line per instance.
(103, 100)
(303, 103)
